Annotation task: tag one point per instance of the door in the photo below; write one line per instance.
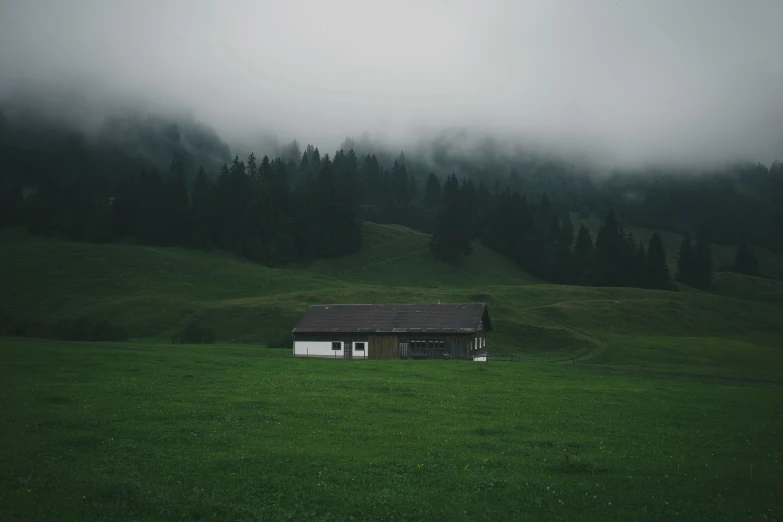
(348, 350)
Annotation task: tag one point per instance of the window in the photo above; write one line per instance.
(336, 345)
(359, 347)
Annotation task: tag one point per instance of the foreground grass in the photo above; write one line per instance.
(190, 433)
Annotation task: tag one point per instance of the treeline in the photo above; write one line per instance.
(249, 209)
(694, 262)
(547, 246)
(282, 210)
(74, 329)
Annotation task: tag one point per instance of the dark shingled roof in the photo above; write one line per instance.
(395, 318)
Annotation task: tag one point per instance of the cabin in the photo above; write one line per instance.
(393, 331)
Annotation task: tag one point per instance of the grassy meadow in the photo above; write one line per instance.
(163, 432)
(240, 430)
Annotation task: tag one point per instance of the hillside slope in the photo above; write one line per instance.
(394, 255)
(154, 291)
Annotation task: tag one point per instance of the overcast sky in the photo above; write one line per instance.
(646, 80)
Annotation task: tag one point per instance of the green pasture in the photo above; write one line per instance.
(222, 432)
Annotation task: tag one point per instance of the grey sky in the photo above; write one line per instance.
(646, 80)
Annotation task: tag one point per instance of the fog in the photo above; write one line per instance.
(633, 81)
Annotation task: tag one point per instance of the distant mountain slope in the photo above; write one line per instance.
(35, 144)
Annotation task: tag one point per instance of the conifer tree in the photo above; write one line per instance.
(315, 159)
(452, 236)
(641, 268)
(583, 256)
(685, 261)
(745, 261)
(702, 262)
(304, 163)
(371, 176)
(252, 168)
(657, 270)
(567, 236)
(11, 202)
(432, 191)
(175, 205)
(607, 266)
(555, 232)
(203, 211)
(150, 212)
(545, 213)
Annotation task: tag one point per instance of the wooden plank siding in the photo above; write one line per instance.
(454, 346)
(383, 347)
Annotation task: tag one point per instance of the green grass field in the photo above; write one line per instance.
(146, 430)
(198, 433)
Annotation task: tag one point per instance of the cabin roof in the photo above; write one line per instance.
(395, 318)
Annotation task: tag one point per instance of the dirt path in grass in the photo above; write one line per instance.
(674, 374)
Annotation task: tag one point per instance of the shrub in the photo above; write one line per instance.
(106, 331)
(194, 333)
(79, 329)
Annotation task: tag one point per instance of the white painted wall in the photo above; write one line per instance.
(324, 349)
(362, 354)
(316, 349)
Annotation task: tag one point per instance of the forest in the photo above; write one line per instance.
(300, 204)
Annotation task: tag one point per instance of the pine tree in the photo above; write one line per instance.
(175, 205)
(315, 159)
(304, 163)
(545, 213)
(432, 191)
(371, 179)
(125, 206)
(151, 210)
(641, 268)
(399, 180)
(252, 168)
(555, 232)
(607, 266)
(567, 236)
(203, 234)
(745, 261)
(338, 227)
(412, 189)
(11, 203)
(657, 270)
(685, 262)
(583, 256)
(702, 262)
(452, 236)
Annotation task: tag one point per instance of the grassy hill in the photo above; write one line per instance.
(393, 255)
(154, 291)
